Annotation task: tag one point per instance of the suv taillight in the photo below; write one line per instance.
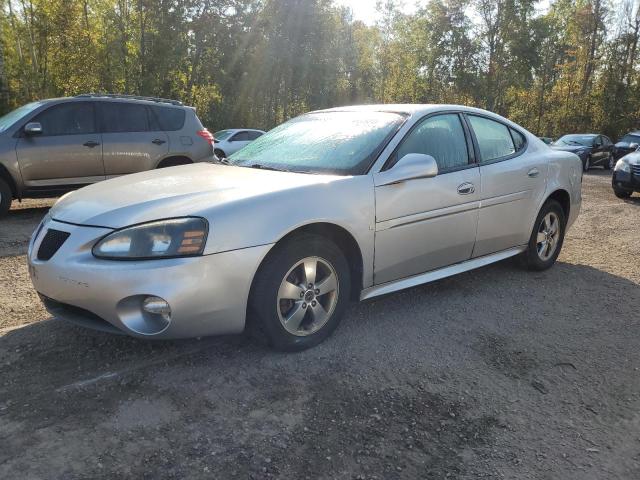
(207, 135)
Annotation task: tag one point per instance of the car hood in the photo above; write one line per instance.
(569, 148)
(633, 158)
(189, 190)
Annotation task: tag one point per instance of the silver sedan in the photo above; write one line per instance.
(332, 206)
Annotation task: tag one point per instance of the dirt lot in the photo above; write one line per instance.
(497, 373)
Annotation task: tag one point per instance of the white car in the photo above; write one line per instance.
(228, 142)
(341, 204)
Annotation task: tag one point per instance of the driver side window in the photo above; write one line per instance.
(442, 137)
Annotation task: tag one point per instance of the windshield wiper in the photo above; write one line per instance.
(265, 167)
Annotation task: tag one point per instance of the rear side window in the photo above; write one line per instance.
(494, 139)
(123, 117)
(166, 118)
(240, 137)
(254, 135)
(442, 137)
(519, 141)
(72, 118)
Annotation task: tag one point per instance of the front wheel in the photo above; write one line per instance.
(300, 293)
(621, 193)
(5, 198)
(546, 238)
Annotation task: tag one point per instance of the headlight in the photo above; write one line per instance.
(176, 237)
(623, 166)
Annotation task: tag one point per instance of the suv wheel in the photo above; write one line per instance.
(621, 193)
(5, 197)
(546, 238)
(300, 293)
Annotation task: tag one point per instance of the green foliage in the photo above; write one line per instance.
(257, 63)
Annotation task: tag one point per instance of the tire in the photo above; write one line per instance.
(532, 258)
(174, 162)
(622, 193)
(219, 153)
(6, 197)
(276, 298)
(586, 165)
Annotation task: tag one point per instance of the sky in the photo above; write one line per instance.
(365, 10)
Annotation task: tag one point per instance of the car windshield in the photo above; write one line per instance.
(340, 143)
(222, 134)
(12, 117)
(630, 139)
(583, 140)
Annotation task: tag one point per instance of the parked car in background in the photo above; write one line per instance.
(593, 149)
(228, 142)
(53, 146)
(340, 204)
(627, 144)
(547, 140)
(626, 175)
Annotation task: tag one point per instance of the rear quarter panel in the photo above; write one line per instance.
(565, 173)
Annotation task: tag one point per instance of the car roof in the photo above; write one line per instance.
(409, 109)
(233, 130)
(115, 98)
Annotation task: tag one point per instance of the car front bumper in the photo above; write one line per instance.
(625, 181)
(208, 295)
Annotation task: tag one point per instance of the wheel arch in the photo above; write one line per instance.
(174, 160)
(563, 198)
(342, 238)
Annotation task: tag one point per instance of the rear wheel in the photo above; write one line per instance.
(300, 293)
(546, 238)
(5, 197)
(621, 193)
(219, 153)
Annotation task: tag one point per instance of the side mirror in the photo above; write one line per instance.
(410, 167)
(633, 146)
(33, 128)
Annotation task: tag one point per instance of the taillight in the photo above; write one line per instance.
(207, 135)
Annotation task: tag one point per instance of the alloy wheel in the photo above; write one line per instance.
(548, 236)
(307, 296)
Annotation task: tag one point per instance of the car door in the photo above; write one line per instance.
(599, 150)
(513, 182)
(425, 224)
(68, 151)
(238, 141)
(132, 141)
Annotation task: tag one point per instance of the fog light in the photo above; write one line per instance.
(157, 306)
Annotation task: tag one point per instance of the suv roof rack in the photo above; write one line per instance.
(130, 97)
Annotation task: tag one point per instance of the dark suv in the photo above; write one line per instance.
(53, 146)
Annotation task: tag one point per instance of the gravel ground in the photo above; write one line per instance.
(496, 373)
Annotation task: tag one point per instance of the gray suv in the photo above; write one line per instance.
(53, 146)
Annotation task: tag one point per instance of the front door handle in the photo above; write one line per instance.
(91, 144)
(157, 141)
(533, 173)
(466, 188)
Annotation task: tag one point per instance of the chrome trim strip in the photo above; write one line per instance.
(433, 275)
(511, 197)
(419, 217)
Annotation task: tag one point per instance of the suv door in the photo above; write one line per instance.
(425, 224)
(129, 145)
(238, 141)
(67, 152)
(513, 185)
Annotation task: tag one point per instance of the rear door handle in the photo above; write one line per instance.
(91, 144)
(157, 141)
(534, 172)
(466, 188)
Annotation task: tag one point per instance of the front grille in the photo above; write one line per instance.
(51, 243)
(636, 170)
